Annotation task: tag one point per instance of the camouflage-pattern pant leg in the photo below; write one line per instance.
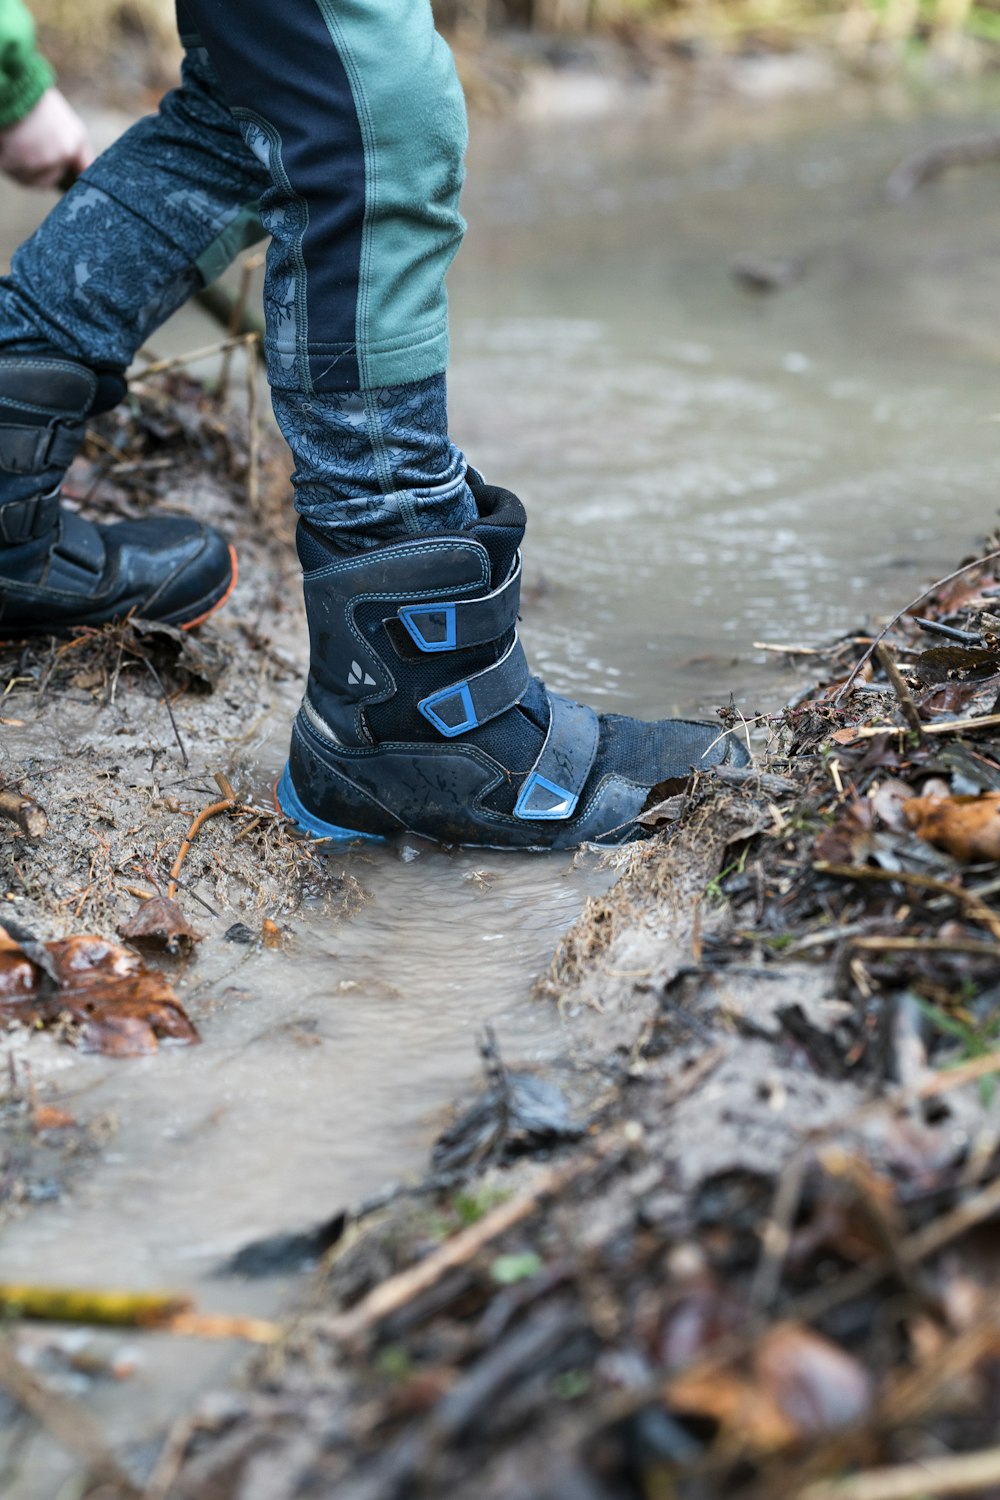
(165, 208)
(356, 113)
(355, 170)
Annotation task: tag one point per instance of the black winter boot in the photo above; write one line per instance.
(58, 571)
(420, 712)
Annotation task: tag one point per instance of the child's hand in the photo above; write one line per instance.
(48, 148)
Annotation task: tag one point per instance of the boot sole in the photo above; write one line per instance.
(206, 608)
(288, 805)
(219, 603)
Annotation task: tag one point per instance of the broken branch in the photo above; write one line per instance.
(29, 815)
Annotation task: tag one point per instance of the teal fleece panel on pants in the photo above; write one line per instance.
(411, 110)
(355, 110)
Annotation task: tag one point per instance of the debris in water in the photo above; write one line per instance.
(282, 1254)
(95, 993)
(160, 924)
(518, 1114)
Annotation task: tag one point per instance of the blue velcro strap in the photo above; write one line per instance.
(467, 622)
(78, 557)
(477, 700)
(553, 786)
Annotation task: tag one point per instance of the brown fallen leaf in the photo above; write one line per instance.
(817, 1386)
(849, 840)
(956, 664)
(968, 828)
(745, 1414)
(160, 924)
(114, 1004)
(798, 1386)
(47, 1117)
(271, 933)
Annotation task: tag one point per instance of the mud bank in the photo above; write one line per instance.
(742, 1241)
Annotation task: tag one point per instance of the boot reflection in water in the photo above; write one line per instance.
(340, 127)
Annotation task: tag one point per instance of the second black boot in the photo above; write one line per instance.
(58, 571)
(420, 713)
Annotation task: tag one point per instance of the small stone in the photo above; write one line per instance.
(239, 933)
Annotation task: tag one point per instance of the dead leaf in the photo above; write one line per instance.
(968, 828)
(47, 1117)
(849, 840)
(160, 924)
(112, 1002)
(667, 811)
(847, 735)
(955, 664)
(746, 1414)
(817, 1386)
(798, 1386)
(887, 798)
(271, 933)
(700, 1312)
(199, 663)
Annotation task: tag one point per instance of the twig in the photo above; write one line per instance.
(977, 909)
(399, 1290)
(172, 1456)
(167, 705)
(887, 662)
(927, 945)
(177, 361)
(949, 632)
(960, 1074)
(949, 578)
(764, 782)
(777, 1232)
(67, 1422)
(207, 812)
(956, 726)
(29, 815)
(253, 420)
(947, 726)
(237, 318)
(959, 1474)
(787, 650)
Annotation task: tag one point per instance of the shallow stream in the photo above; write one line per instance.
(705, 468)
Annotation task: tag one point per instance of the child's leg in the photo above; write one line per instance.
(420, 710)
(155, 217)
(355, 111)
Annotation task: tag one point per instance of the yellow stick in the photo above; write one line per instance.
(59, 1304)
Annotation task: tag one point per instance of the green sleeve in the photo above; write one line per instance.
(24, 73)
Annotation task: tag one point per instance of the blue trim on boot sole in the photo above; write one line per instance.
(291, 806)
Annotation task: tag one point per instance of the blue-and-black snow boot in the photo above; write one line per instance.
(58, 571)
(420, 713)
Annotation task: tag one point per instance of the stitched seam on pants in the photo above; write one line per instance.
(282, 179)
(368, 141)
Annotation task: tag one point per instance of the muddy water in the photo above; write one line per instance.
(705, 468)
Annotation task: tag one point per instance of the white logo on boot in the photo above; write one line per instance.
(356, 676)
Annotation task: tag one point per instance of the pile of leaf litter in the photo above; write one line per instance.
(759, 1256)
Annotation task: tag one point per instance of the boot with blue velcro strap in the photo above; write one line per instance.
(421, 714)
(59, 571)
